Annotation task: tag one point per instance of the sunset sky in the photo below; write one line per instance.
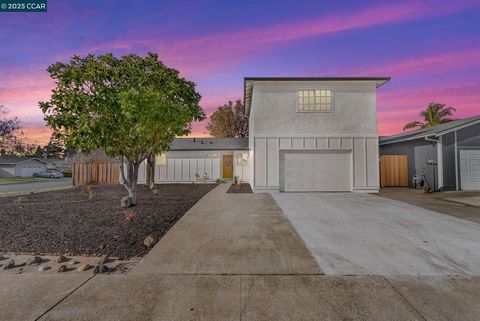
(431, 49)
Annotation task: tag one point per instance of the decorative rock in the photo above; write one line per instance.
(103, 259)
(72, 262)
(62, 268)
(100, 269)
(35, 260)
(149, 241)
(9, 265)
(43, 268)
(84, 267)
(125, 202)
(62, 259)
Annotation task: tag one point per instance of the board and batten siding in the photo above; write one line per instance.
(181, 166)
(364, 151)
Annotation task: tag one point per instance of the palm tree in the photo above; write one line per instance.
(435, 114)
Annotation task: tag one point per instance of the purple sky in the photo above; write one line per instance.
(431, 49)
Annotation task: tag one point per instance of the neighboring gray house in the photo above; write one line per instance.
(21, 166)
(218, 158)
(313, 134)
(454, 147)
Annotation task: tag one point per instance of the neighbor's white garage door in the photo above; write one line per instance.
(470, 169)
(29, 170)
(315, 171)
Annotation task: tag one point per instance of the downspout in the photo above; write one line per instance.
(439, 160)
(456, 163)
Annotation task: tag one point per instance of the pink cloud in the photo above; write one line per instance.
(425, 64)
(396, 107)
(199, 54)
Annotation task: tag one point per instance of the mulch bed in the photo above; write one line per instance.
(240, 188)
(67, 222)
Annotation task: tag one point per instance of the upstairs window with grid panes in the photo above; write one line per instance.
(319, 100)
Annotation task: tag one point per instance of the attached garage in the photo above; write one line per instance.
(21, 166)
(30, 169)
(315, 171)
(470, 169)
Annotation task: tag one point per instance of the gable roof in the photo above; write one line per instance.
(248, 84)
(240, 143)
(438, 130)
(12, 160)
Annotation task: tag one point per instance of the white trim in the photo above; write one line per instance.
(315, 101)
(315, 136)
(440, 162)
(456, 162)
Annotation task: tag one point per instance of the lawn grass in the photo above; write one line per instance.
(34, 191)
(10, 180)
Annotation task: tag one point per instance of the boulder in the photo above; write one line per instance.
(125, 202)
(149, 241)
(83, 267)
(100, 268)
(34, 260)
(62, 268)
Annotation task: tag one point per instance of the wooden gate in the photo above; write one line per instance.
(393, 170)
(95, 173)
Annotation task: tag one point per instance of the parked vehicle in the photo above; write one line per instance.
(49, 174)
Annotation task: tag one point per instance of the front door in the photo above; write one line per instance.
(227, 166)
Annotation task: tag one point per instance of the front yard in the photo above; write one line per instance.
(72, 222)
(16, 180)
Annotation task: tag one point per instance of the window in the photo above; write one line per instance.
(319, 100)
(242, 159)
(161, 159)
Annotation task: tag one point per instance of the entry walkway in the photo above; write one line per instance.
(231, 234)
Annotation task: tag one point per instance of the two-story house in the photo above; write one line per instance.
(305, 134)
(313, 134)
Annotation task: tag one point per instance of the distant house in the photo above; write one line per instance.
(217, 158)
(21, 166)
(448, 154)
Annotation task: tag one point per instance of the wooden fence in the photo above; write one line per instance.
(95, 173)
(393, 170)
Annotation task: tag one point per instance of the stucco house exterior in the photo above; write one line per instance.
(217, 158)
(21, 166)
(313, 134)
(448, 154)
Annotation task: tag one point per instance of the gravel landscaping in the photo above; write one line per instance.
(74, 222)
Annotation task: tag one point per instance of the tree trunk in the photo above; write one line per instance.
(130, 180)
(150, 181)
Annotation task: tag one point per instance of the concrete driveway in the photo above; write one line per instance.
(361, 234)
(23, 186)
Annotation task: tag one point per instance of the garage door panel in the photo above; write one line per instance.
(316, 171)
(470, 169)
(29, 170)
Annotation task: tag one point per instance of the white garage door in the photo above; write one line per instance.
(29, 170)
(315, 171)
(470, 169)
